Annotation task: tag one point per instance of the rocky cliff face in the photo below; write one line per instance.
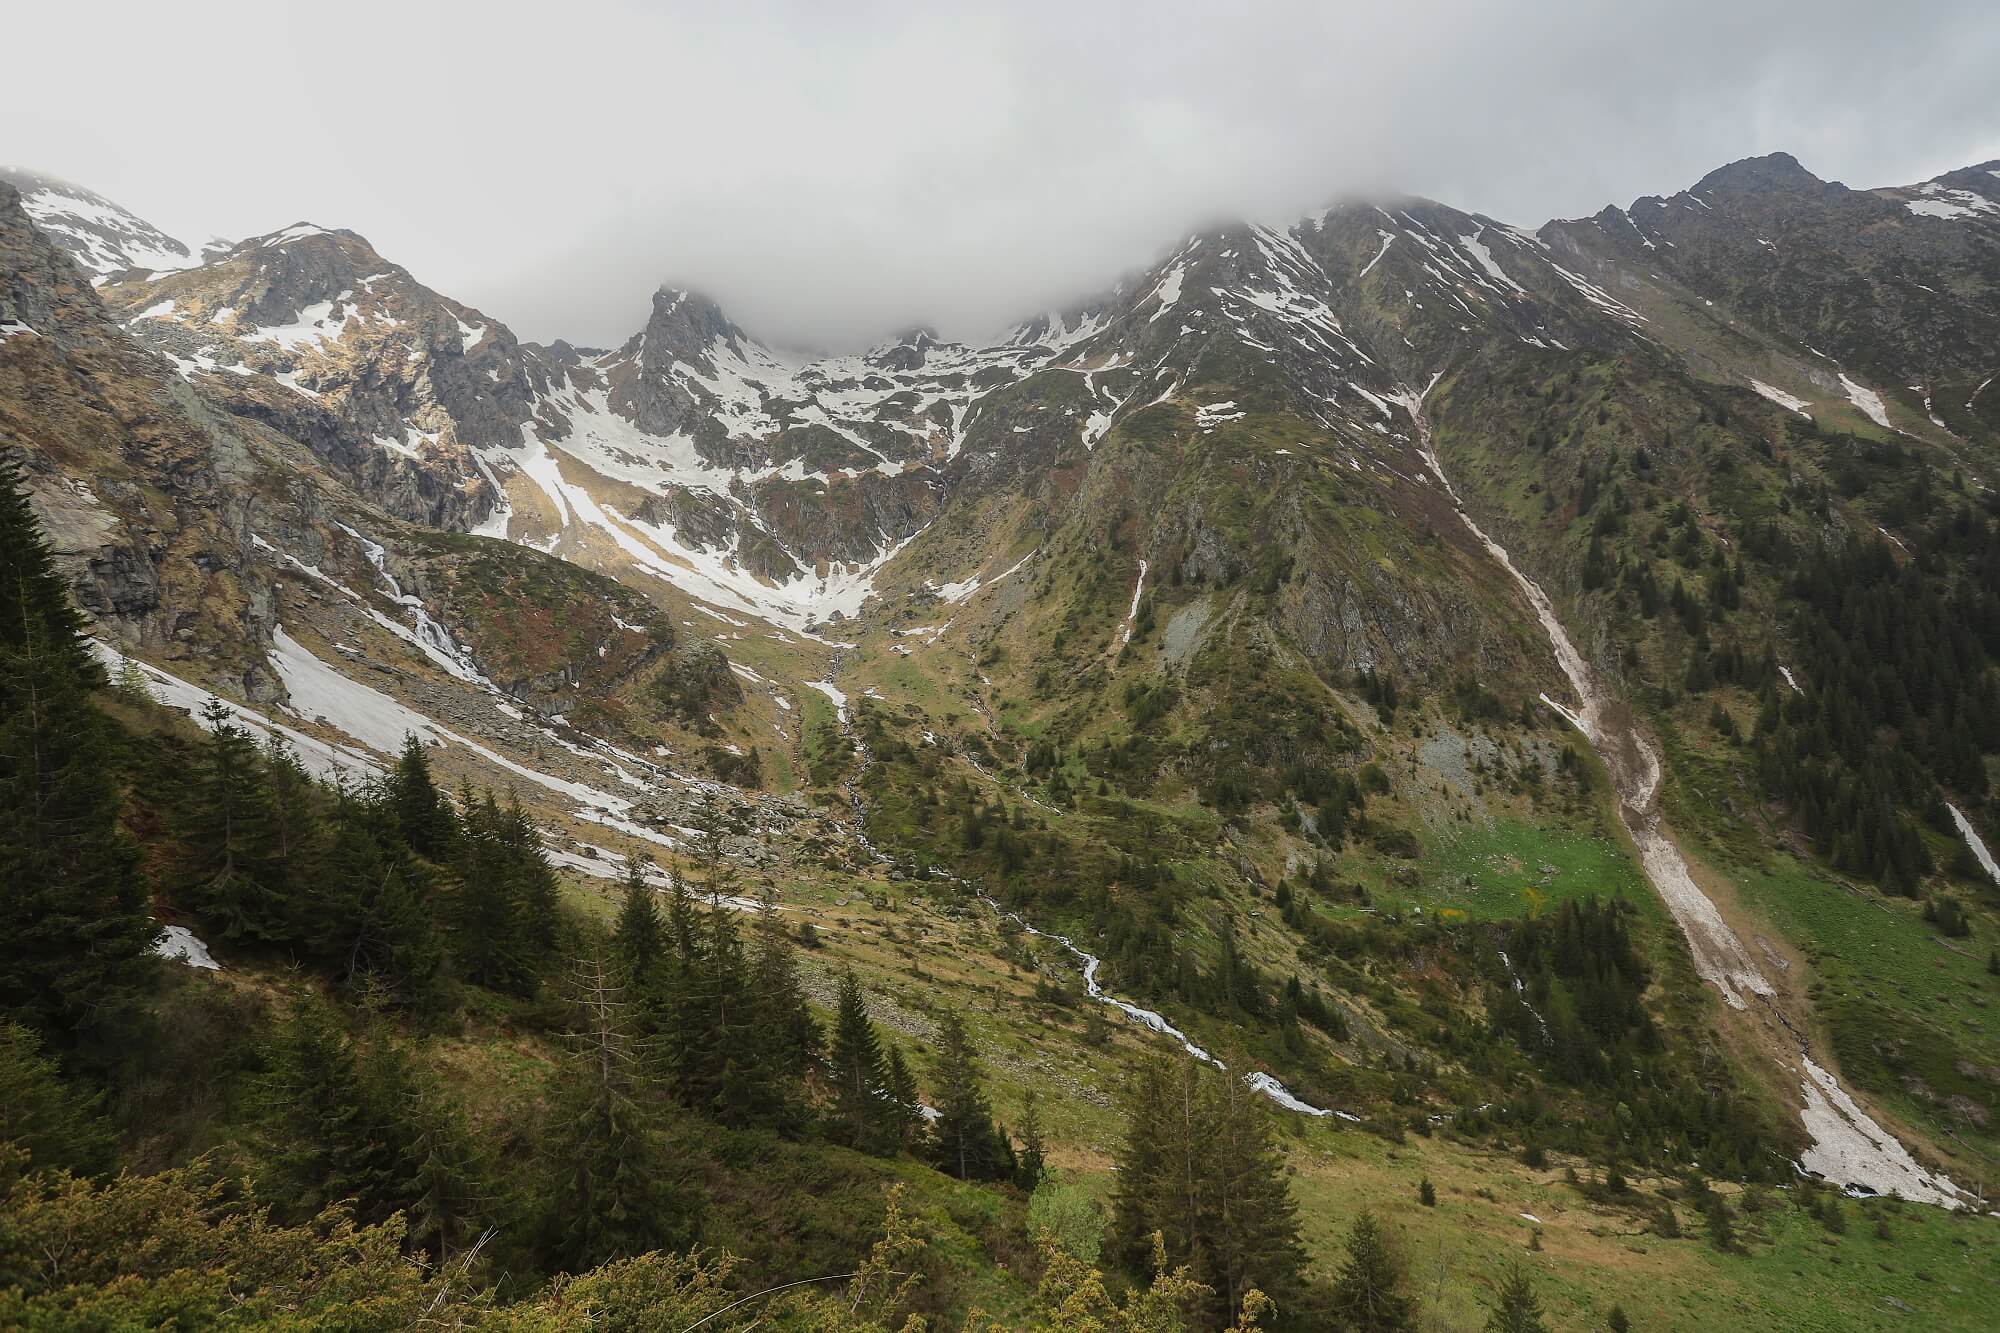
(136, 491)
(1899, 285)
(311, 332)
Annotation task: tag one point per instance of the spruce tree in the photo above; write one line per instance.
(131, 682)
(906, 1110)
(1253, 1234)
(635, 940)
(1146, 1175)
(1370, 1292)
(1032, 1161)
(719, 1055)
(325, 1137)
(533, 885)
(374, 900)
(615, 1193)
(40, 1114)
(449, 1190)
(421, 810)
(1520, 1310)
(298, 834)
(228, 864)
(784, 1021)
(75, 934)
(965, 1141)
(503, 906)
(861, 1115)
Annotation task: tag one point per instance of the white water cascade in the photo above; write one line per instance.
(1259, 1082)
(1848, 1147)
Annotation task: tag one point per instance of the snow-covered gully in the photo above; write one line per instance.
(1132, 616)
(1848, 1146)
(1975, 842)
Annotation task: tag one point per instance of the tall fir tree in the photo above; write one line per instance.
(503, 903)
(325, 1137)
(450, 1190)
(1520, 1309)
(965, 1141)
(1256, 1225)
(75, 934)
(1371, 1291)
(719, 1056)
(906, 1109)
(228, 864)
(1032, 1160)
(636, 939)
(615, 1192)
(1164, 1167)
(861, 1115)
(373, 900)
(298, 833)
(1198, 1168)
(421, 810)
(783, 1017)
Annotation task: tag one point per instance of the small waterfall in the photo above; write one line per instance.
(1526, 1003)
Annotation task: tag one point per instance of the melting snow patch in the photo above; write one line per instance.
(1168, 292)
(180, 943)
(1132, 615)
(1868, 401)
(311, 329)
(833, 692)
(1973, 840)
(1478, 251)
(1781, 398)
(337, 762)
(1388, 239)
(1938, 202)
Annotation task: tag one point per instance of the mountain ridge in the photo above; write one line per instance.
(1216, 496)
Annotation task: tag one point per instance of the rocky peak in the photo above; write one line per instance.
(685, 326)
(908, 350)
(281, 274)
(1773, 173)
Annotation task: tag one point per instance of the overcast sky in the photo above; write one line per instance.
(836, 169)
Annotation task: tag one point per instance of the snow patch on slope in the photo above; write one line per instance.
(1868, 401)
(1781, 398)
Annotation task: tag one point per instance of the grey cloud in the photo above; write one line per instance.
(833, 171)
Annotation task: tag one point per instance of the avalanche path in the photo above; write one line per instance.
(1848, 1146)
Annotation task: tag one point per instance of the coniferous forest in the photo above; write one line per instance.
(248, 1160)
